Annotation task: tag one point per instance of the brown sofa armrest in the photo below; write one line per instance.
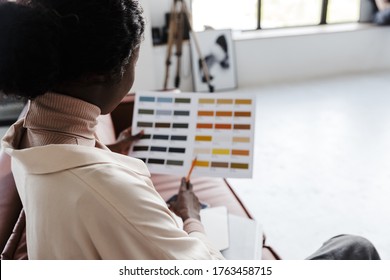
(214, 191)
(16, 247)
(10, 204)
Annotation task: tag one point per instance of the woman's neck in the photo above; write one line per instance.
(59, 119)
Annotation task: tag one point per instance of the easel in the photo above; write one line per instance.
(180, 14)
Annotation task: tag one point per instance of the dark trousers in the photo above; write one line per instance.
(382, 17)
(346, 247)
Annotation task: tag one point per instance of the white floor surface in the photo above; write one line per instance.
(322, 163)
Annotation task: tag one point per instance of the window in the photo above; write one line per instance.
(285, 13)
(343, 11)
(225, 14)
(263, 14)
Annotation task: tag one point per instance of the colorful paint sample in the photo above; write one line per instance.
(204, 126)
(160, 137)
(224, 113)
(242, 126)
(140, 148)
(224, 101)
(145, 111)
(162, 125)
(164, 99)
(223, 126)
(175, 162)
(145, 124)
(163, 112)
(241, 140)
(242, 114)
(239, 165)
(202, 151)
(158, 149)
(177, 150)
(221, 152)
(202, 163)
(203, 138)
(156, 161)
(178, 138)
(217, 130)
(181, 113)
(147, 98)
(240, 152)
(206, 101)
(243, 101)
(220, 164)
(180, 125)
(182, 100)
(205, 113)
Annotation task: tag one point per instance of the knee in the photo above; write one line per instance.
(353, 240)
(359, 246)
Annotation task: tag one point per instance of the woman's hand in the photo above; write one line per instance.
(124, 141)
(187, 203)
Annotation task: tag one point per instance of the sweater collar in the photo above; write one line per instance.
(64, 115)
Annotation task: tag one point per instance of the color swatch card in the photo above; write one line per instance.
(217, 129)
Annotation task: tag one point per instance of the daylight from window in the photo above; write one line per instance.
(283, 13)
(224, 14)
(343, 11)
(243, 14)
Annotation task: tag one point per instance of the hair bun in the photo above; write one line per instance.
(29, 50)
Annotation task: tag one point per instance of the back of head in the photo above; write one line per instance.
(48, 43)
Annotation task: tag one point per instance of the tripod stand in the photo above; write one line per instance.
(178, 17)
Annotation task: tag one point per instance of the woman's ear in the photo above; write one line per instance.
(93, 79)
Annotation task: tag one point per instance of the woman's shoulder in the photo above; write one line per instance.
(56, 158)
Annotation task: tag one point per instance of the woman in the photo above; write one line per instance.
(75, 60)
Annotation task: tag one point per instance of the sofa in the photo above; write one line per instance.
(213, 191)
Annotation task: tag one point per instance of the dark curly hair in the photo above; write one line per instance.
(46, 43)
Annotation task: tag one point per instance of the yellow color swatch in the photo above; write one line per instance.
(224, 101)
(206, 101)
(243, 101)
(202, 163)
(221, 152)
(203, 138)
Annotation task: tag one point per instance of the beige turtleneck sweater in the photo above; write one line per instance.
(88, 203)
(59, 119)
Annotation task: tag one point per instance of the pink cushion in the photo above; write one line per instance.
(213, 191)
(16, 247)
(10, 204)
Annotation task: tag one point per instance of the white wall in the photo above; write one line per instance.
(280, 59)
(301, 57)
(144, 70)
(289, 58)
(158, 8)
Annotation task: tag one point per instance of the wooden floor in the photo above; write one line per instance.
(322, 162)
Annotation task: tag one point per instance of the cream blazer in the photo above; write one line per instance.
(88, 203)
